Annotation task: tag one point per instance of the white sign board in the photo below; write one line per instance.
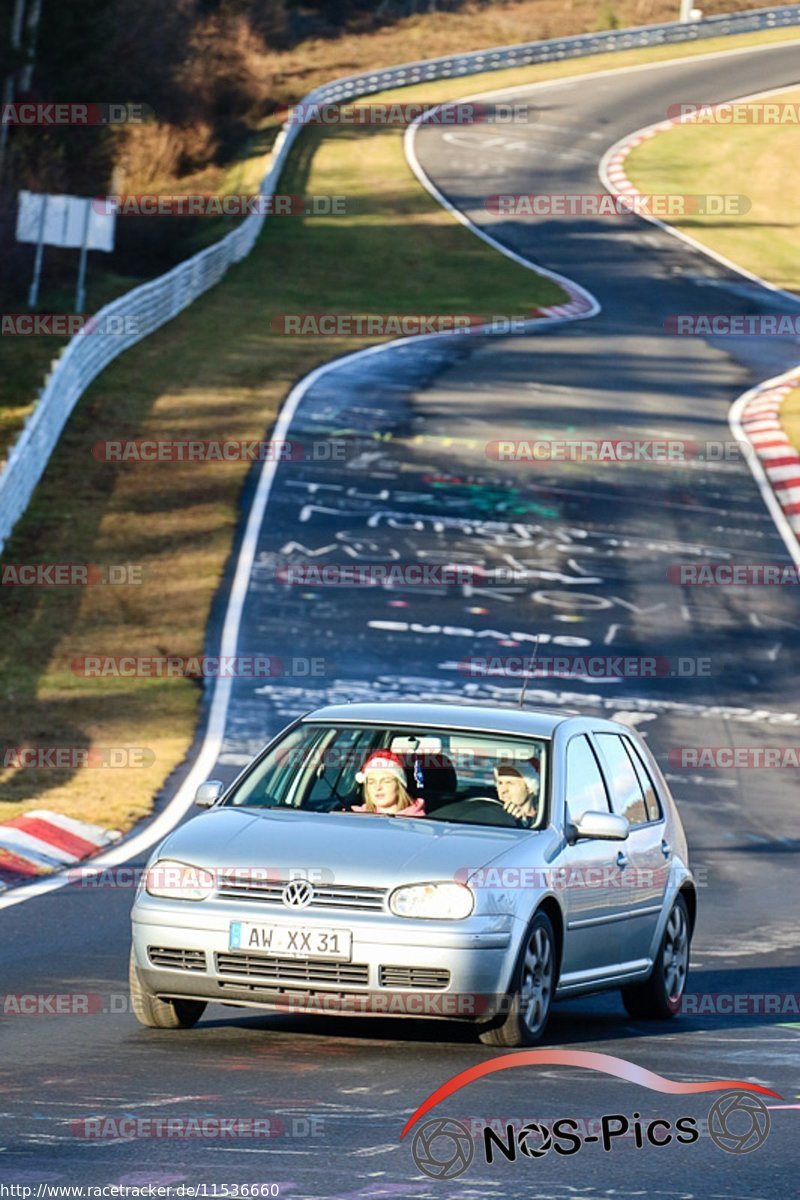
(65, 221)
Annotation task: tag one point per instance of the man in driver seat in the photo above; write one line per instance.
(518, 790)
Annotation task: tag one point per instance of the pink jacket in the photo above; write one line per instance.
(415, 809)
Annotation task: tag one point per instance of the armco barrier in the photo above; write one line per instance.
(156, 302)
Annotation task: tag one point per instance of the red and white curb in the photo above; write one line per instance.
(781, 462)
(774, 461)
(40, 842)
(612, 166)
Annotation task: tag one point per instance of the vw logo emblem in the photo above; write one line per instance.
(298, 894)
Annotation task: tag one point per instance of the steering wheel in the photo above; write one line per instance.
(495, 800)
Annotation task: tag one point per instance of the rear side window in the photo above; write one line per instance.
(652, 805)
(627, 797)
(586, 791)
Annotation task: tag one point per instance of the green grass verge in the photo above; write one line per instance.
(217, 371)
(758, 160)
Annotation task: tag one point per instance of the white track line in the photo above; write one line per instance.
(582, 303)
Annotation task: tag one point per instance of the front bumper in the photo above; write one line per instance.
(454, 970)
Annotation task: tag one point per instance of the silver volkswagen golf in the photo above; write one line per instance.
(423, 860)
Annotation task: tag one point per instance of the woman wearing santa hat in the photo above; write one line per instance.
(385, 787)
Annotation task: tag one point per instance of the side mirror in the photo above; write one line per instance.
(209, 793)
(604, 826)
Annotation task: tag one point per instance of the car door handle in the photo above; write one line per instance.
(622, 859)
(665, 848)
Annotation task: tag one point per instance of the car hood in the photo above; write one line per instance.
(348, 848)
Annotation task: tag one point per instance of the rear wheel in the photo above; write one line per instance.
(659, 997)
(160, 1014)
(532, 993)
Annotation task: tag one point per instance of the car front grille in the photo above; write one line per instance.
(293, 970)
(413, 977)
(175, 959)
(336, 896)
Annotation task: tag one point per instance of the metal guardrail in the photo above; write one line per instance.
(158, 301)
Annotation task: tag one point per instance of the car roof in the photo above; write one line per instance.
(528, 722)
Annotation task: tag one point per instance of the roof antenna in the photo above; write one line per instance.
(528, 672)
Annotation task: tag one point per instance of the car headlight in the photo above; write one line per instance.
(446, 901)
(178, 881)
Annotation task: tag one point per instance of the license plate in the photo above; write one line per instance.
(292, 941)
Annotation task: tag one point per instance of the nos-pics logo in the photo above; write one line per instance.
(443, 1148)
(738, 1121)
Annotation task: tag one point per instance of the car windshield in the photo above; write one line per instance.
(380, 770)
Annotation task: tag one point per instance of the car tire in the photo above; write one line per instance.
(659, 997)
(160, 1014)
(533, 988)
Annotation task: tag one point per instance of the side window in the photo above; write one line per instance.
(627, 797)
(652, 805)
(586, 791)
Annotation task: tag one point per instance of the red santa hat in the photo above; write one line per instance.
(384, 760)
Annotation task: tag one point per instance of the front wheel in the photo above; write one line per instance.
(659, 997)
(160, 1014)
(532, 992)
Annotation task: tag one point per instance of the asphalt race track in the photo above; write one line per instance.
(590, 546)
